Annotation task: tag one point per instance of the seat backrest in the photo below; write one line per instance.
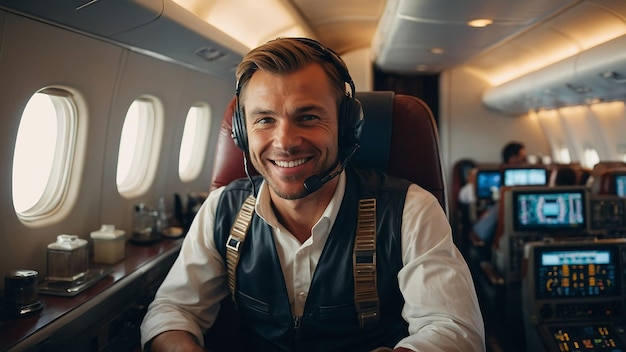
(568, 174)
(563, 175)
(611, 181)
(595, 180)
(399, 137)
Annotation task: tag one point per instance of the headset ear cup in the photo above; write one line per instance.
(238, 134)
(350, 122)
(357, 111)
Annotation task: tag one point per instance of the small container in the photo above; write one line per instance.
(109, 245)
(145, 225)
(68, 258)
(20, 287)
(20, 293)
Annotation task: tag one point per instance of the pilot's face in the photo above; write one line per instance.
(291, 120)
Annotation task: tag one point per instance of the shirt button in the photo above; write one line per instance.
(302, 296)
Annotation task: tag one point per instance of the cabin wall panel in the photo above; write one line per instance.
(567, 122)
(599, 136)
(178, 88)
(576, 128)
(612, 119)
(217, 92)
(140, 75)
(585, 130)
(35, 55)
(469, 130)
(557, 138)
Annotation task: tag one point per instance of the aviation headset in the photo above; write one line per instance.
(350, 114)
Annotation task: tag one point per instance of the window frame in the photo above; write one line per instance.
(144, 162)
(64, 180)
(198, 145)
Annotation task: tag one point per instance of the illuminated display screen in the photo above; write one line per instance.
(525, 177)
(587, 338)
(487, 182)
(620, 185)
(549, 210)
(576, 273)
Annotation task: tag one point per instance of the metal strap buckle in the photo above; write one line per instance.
(233, 243)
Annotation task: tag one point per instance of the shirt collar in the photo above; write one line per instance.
(264, 209)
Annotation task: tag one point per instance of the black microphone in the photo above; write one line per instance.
(315, 182)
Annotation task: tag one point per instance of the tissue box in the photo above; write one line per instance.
(68, 258)
(109, 245)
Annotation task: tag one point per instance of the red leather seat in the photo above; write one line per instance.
(595, 179)
(399, 137)
(606, 181)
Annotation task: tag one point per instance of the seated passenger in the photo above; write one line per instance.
(467, 194)
(513, 153)
(295, 287)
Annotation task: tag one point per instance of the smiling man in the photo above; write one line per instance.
(292, 127)
(301, 258)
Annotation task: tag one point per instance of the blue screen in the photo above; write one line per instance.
(620, 185)
(525, 177)
(549, 210)
(487, 182)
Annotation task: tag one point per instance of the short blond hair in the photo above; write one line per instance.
(286, 55)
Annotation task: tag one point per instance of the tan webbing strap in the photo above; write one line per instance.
(235, 240)
(364, 257)
(364, 262)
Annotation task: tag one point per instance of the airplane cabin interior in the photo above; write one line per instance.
(551, 277)
(116, 121)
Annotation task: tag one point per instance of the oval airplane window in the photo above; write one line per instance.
(194, 142)
(590, 157)
(563, 156)
(621, 152)
(140, 144)
(45, 153)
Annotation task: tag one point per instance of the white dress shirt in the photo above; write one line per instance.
(467, 194)
(440, 300)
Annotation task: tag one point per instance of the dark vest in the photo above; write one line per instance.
(329, 321)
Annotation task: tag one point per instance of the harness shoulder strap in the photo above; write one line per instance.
(364, 257)
(364, 264)
(236, 238)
